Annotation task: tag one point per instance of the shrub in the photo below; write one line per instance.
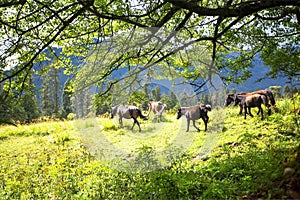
(109, 125)
(71, 116)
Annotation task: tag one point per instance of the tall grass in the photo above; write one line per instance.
(81, 159)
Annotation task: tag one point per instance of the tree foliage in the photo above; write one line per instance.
(166, 31)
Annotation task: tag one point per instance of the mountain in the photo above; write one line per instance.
(259, 71)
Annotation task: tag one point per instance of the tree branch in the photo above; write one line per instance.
(29, 64)
(243, 9)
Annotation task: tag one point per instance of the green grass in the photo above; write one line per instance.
(95, 159)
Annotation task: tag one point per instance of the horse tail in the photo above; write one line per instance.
(272, 99)
(149, 110)
(141, 114)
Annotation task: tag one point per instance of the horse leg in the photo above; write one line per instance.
(138, 125)
(266, 104)
(250, 112)
(245, 109)
(188, 125)
(241, 109)
(133, 124)
(269, 109)
(137, 122)
(262, 113)
(205, 120)
(120, 122)
(194, 124)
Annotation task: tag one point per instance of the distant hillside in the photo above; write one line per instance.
(258, 71)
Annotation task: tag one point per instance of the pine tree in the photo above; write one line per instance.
(30, 106)
(276, 91)
(66, 98)
(156, 93)
(173, 101)
(287, 92)
(51, 91)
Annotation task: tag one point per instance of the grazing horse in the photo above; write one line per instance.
(193, 113)
(267, 95)
(157, 108)
(127, 112)
(250, 101)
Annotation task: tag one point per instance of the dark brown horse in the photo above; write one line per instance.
(127, 112)
(250, 101)
(267, 96)
(194, 113)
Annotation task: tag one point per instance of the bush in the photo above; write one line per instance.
(109, 125)
(71, 116)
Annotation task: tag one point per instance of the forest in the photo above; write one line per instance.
(64, 64)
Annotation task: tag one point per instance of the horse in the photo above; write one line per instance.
(250, 101)
(157, 108)
(194, 113)
(268, 95)
(127, 112)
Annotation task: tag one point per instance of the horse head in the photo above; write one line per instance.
(111, 115)
(179, 113)
(229, 99)
(236, 99)
(208, 107)
(113, 111)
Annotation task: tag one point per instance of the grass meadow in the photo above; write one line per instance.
(94, 159)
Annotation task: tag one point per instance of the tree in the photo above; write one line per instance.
(276, 91)
(102, 103)
(9, 112)
(51, 91)
(216, 27)
(83, 103)
(30, 106)
(138, 98)
(186, 99)
(173, 100)
(287, 92)
(66, 99)
(156, 95)
(283, 59)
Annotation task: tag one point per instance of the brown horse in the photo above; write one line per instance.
(250, 101)
(157, 108)
(127, 112)
(194, 113)
(267, 96)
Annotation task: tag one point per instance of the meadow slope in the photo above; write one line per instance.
(94, 159)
